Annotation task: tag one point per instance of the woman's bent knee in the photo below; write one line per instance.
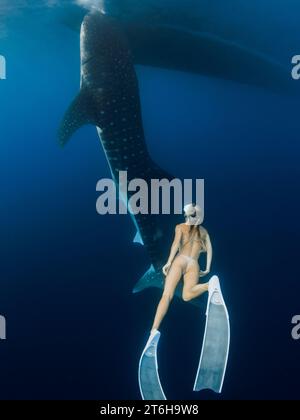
(187, 296)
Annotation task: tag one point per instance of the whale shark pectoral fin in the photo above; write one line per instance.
(80, 112)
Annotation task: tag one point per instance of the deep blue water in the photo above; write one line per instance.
(75, 330)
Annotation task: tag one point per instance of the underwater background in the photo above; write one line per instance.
(74, 329)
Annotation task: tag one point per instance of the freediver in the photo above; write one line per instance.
(191, 240)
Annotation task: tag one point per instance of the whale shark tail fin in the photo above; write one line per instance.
(79, 113)
(151, 278)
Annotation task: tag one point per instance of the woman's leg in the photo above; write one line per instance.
(171, 282)
(191, 287)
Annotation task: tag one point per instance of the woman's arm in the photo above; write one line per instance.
(209, 253)
(174, 249)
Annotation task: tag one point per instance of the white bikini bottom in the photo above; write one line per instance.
(190, 262)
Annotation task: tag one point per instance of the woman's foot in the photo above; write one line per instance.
(153, 331)
(215, 291)
(205, 286)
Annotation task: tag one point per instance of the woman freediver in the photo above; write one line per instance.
(191, 239)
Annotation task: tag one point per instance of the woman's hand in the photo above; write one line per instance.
(204, 273)
(166, 268)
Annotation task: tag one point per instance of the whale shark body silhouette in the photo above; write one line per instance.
(160, 37)
(109, 99)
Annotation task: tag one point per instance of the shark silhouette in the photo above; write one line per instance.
(156, 41)
(109, 99)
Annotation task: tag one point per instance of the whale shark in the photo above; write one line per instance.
(109, 99)
(158, 39)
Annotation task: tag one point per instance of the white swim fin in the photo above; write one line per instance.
(149, 382)
(216, 342)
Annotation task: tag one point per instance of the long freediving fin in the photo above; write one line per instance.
(149, 382)
(215, 347)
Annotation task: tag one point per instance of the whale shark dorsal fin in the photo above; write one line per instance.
(138, 239)
(79, 113)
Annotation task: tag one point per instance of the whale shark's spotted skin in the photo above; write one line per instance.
(114, 91)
